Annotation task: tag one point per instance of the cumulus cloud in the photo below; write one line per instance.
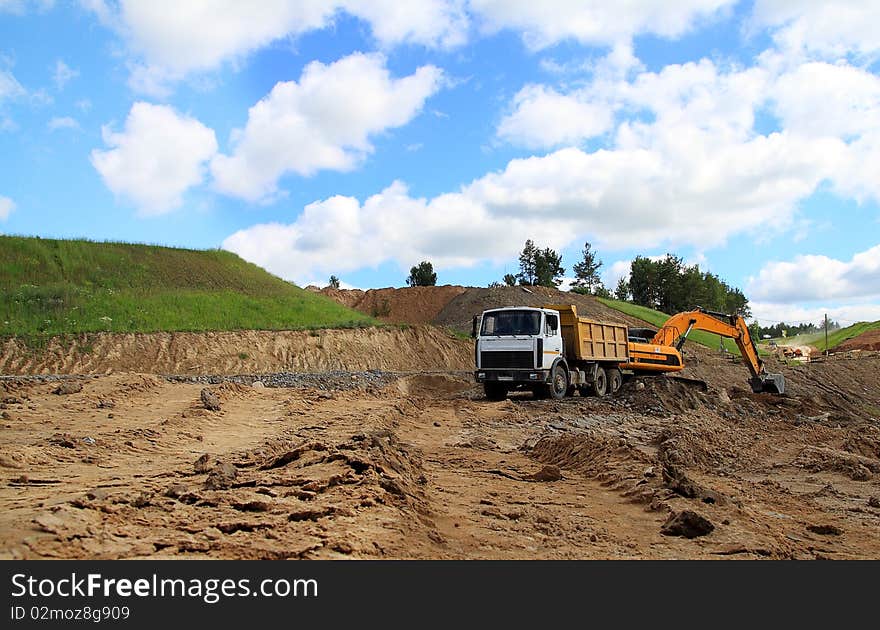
(168, 44)
(324, 121)
(544, 118)
(830, 28)
(626, 198)
(62, 122)
(596, 22)
(156, 158)
(6, 207)
(816, 277)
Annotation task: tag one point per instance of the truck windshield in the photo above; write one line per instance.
(507, 323)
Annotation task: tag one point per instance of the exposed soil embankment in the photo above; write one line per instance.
(238, 352)
(409, 305)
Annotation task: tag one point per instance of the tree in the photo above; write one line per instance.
(334, 282)
(621, 291)
(539, 267)
(548, 268)
(602, 292)
(509, 279)
(422, 275)
(526, 273)
(587, 270)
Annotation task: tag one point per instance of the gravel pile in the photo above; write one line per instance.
(322, 380)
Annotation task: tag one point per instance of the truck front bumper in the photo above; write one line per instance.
(514, 377)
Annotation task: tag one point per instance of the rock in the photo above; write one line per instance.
(142, 500)
(874, 502)
(5, 415)
(436, 424)
(210, 400)
(104, 403)
(202, 464)
(258, 385)
(688, 524)
(176, 491)
(98, 494)
(639, 386)
(68, 387)
(221, 477)
(825, 530)
(860, 472)
(49, 523)
(547, 473)
(89, 441)
(723, 396)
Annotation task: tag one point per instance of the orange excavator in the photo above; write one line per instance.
(662, 353)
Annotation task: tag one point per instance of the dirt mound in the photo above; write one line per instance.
(409, 305)
(869, 340)
(241, 352)
(459, 312)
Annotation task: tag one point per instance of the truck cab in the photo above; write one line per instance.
(516, 347)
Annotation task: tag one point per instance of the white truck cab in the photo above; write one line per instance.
(516, 345)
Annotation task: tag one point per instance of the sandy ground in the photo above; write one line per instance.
(135, 466)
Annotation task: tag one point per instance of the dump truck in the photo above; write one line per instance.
(554, 352)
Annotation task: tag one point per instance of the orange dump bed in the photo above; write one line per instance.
(589, 340)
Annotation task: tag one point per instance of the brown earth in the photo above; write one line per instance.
(869, 340)
(459, 312)
(409, 305)
(241, 352)
(135, 466)
(455, 307)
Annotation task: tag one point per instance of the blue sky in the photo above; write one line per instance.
(357, 138)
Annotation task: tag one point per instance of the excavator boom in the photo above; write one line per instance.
(676, 329)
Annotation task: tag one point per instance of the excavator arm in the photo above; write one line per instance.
(677, 328)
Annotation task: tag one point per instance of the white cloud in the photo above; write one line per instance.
(830, 28)
(10, 88)
(169, 43)
(812, 277)
(6, 207)
(62, 122)
(596, 22)
(157, 157)
(627, 198)
(324, 121)
(544, 118)
(62, 74)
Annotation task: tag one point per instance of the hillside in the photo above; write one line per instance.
(50, 287)
(836, 338)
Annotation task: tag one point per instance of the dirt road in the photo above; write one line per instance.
(421, 466)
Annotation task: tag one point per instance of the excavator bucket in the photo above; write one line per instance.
(769, 383)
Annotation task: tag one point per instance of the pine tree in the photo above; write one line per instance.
(587, 270)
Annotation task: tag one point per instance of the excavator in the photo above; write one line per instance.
(662, 352)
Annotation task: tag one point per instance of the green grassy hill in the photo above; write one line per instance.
(656, 318)
(835, 337)
(50, 287)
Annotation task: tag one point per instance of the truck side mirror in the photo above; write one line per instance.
(474, 328)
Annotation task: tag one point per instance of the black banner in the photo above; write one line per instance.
(414, 593)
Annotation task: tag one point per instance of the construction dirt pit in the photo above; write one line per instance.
(370, 464)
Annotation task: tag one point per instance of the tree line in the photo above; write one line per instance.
(665, 284)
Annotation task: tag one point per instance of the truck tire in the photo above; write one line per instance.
(615, 380)
(600, 385)
(558, 382)
(495, 391)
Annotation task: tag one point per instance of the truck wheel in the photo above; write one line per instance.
(558, 382)
(600, 385)
(615, 380)
(495, 391)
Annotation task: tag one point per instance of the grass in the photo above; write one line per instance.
(657, 319)
(52, 287)
(835, 337)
